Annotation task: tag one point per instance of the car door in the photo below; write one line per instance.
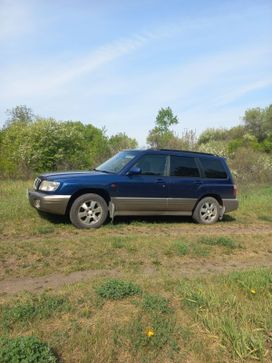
(183, 184)
(146, 192)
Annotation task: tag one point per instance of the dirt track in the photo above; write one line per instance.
(54, 281)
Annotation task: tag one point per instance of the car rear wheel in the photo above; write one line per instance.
(89, 211)
(207, 211)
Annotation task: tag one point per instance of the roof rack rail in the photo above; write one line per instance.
(184, 151)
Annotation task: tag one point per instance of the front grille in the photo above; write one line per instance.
(36, 183)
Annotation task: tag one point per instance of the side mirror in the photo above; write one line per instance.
(134, 171)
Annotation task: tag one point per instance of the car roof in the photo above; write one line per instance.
(174, 151)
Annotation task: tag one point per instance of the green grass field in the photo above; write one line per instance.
(139, 290)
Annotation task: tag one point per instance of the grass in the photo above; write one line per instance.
(255, 202)
(236, 308)
(208, 319)
(117, 289)
(219, 241)
(29, 308)
(166, 291)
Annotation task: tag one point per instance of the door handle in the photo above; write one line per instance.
(198, 182)
(161, 181)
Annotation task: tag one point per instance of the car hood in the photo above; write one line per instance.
(70, 174)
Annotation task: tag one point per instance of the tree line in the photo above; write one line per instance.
(31, 144)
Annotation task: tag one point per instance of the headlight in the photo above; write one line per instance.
(49, 186)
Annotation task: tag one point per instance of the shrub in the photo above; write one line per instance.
(25, 349)
(117, 289)
(251, 166)
(215, 147)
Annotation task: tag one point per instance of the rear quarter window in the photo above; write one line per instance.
(213, 168)
(183, 167)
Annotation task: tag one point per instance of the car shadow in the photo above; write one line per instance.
(122, 220)
(227, 218)
(54, 218)
(151, 219)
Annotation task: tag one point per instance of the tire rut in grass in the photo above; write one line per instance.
(54, 281)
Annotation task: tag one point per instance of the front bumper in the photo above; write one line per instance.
(55, 204)
(230, 205)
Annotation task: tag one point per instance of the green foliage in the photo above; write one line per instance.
(261, 280)
(212, 135)
(255, 134)
(28, 349)
(156, 304)
(180, 248)
(219, 148)
(254, 122)
(36, 307)
(251, 166)
(163, 328)
(20, 114)
(161, 136)
(50, 145)
(120, 142)
(30, 144)
(117, 289)
(165, 119)
(219, 241)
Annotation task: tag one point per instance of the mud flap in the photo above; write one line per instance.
(221, 212)
(111, 211)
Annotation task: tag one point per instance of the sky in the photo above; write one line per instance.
(115, 63)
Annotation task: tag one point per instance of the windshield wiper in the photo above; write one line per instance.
(104, 171)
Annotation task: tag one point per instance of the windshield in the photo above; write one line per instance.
(117, 162)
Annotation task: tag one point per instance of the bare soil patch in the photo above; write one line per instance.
(185, 268)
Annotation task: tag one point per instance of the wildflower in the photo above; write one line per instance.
(253, 291)
(150, 332)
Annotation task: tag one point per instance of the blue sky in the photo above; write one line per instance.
(116, 63)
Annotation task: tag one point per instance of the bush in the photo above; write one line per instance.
(251, 166)
(117, 289)
(215, 147)
(25, 349)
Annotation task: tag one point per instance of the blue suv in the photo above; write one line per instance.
(140, 182)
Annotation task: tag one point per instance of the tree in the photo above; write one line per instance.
(20, 114)
(121, 141)
(165, 119)
(161, 135)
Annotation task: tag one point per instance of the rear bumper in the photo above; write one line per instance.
(230, 204)
(55, 204)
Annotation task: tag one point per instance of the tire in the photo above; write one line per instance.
(207, 211)
(88, 211)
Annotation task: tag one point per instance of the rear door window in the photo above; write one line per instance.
(183, 166)
(213, 168)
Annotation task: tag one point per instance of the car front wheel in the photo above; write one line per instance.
(88, 211)
(207, 211)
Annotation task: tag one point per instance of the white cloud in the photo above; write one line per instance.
(41, 78)
(244, 89)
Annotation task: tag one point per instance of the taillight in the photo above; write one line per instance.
(234, 190)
